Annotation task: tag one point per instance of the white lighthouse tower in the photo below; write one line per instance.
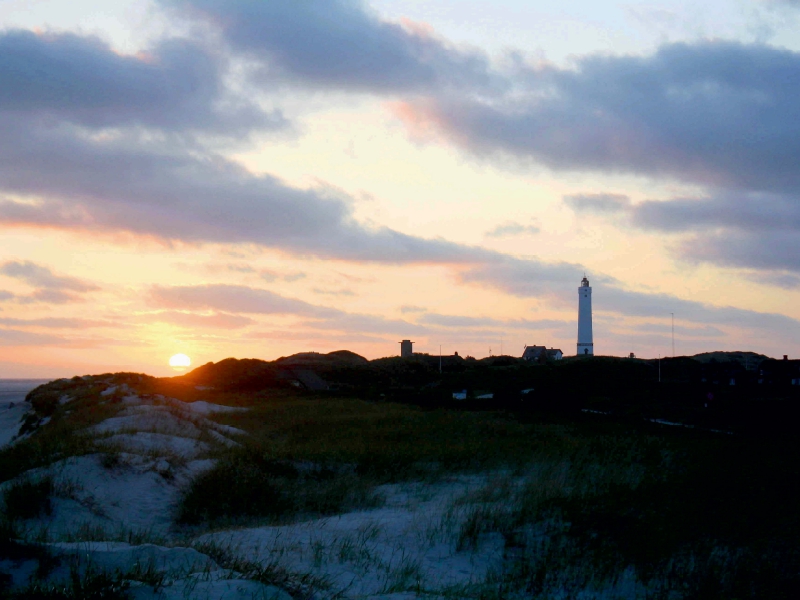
(585, 344)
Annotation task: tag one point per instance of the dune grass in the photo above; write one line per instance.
(245, 484)
(28, 499)
(583, 504)
(64, 434)
(579, 504)
(392, 441)
(272, 572)
(312, 456)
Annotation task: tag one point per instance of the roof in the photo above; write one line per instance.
(533, 352)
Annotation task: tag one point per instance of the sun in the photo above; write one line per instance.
(180, 362)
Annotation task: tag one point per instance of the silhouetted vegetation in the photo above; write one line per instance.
(28, 499)
(593, 487)
(715, 391)
(248, 484)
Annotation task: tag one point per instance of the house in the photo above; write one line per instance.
(724, 373)
(541, 354)
(535, 353)
(554, 354)
(779, 372)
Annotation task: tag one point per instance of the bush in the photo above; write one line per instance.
(247, 484)
(28, 499)
(236, 488)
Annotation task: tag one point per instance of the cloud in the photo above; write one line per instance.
(341, 45)
(126, 185)
(681, 331)
(235, 299)
(314, 337)
(558, 283)
(216, 320)
(598, 203)
(57, 323)
(49, 297)
(778, 251)
(721, 115)
(733, 229)
(459, 321)
(50, 288)
(408, 308)
(18, 337)
(355, 278)
(715, 113)
(525, 277)
(754, 212)
(176, 85)
(510, 228)
(271, 276)
(751, 230)
(240, 268)
(372, 324)
(242, 299)
(330, 292)
(640, 304)
(785, 281)
(42, 277)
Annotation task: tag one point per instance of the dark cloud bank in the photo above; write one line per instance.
(47, 286)
(722, 115)
(341, 45)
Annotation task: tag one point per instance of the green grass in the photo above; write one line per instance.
(65, 434)
(271, 572)
(313, 456)
(99, 586)
(393, 441)
(578, 503)
(247, 485)
(712, 518)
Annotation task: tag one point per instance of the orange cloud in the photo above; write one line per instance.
(422, 122)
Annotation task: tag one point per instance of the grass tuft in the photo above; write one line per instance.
(299, 585)
(246, 484)
(28, 499)
(82, 585)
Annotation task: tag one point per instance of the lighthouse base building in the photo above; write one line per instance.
(585, 340)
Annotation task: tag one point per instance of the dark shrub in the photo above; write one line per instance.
(236, 488)
(28, 500)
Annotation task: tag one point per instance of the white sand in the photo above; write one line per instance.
(408, 544)
(11, 420)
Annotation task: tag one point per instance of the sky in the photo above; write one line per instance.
(258, 178)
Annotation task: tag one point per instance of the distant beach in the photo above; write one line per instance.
(14, 390)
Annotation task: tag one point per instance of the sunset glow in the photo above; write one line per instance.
(444, 172)
(180, 361)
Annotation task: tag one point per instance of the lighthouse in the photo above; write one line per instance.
(585, 344)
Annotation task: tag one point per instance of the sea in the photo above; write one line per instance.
(14, 390)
